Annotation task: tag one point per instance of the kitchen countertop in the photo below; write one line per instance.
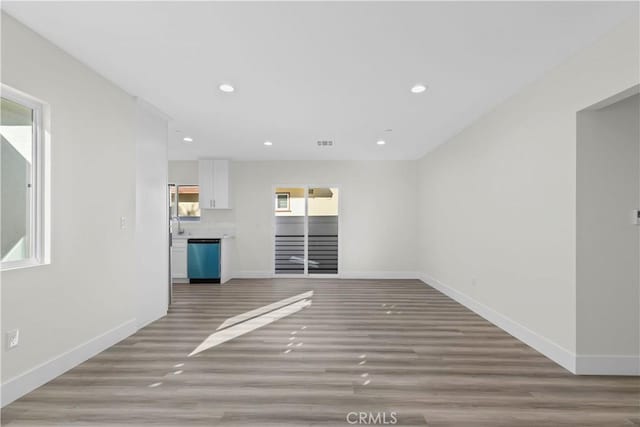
(202, 236)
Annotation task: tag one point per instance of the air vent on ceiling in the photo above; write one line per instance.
(325, 143)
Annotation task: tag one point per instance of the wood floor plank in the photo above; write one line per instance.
(362, 346)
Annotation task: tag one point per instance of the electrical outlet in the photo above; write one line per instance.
(123, 222)
(13, 338)
(474, 282)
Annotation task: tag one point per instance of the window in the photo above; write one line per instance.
(21, 185)
(186, 199)
(307, 235)
(283, 202)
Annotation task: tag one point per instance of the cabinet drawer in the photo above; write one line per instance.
(179, 243)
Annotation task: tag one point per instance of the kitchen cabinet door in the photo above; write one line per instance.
(214, 181)
(179, 261)
(205, 181)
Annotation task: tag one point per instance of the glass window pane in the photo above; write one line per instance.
(289, 202)
(323, 202)
(188, 201)
(16, 133)
(290, 231)
(282, 200)
(323, 230)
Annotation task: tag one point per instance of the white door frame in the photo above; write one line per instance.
(306, 231)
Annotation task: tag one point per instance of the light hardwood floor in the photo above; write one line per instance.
(426, 358)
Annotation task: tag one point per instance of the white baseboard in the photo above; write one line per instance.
(372, 275)
(142, 323)
(250, 274)
(381, 275)
(607, 364)
(22, 384)
(555, 352)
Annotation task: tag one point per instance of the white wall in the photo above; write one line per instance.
(497, 202)
(608, 243)
(85, 300)
(183, 172)
(377, 207)
(152, 239)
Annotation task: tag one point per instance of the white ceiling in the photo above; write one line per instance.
(309, 71)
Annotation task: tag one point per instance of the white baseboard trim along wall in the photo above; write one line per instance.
(346, 275)
(146, 322)
(251, 274)
(388, 275)
(607, 364)
(577, 364)
(560, 355)
(19, 386)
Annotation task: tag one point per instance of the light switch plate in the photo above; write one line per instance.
(636, 217)
(13, 338)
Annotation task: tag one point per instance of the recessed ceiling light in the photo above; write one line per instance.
(187, 139)
(380, 142)
(419, 88)
(226, 87)
(268, 143)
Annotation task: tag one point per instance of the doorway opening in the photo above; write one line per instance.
(306, 235)
(608, 236)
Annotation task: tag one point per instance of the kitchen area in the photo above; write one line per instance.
(200, 246)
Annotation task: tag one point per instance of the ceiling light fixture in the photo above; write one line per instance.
(380, 142)
(187, 139)
(226, 87)
(419, 88)
(268, 143)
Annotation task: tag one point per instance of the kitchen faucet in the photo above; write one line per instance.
(180, 229)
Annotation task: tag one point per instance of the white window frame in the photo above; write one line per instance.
(306, 274)
(288, 208)
(39, 213)
(175, 212)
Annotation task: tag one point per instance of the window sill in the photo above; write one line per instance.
(17, 265)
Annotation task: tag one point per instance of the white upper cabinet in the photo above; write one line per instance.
(214, 181)
(205, 181)
(221, 184)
